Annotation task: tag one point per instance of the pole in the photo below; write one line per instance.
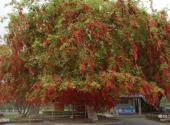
(139, 106)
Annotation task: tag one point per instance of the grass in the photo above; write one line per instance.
(11, 117)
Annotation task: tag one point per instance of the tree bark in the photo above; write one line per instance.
(91, 113)
(35, 109)
(23, 109)
(27, 109)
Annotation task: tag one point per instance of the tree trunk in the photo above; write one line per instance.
(34, 109)
(23, 109)
(91, 113)
(26, 109)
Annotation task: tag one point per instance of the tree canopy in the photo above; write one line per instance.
(86, 52)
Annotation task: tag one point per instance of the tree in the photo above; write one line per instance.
(87, 52)
(15, 81)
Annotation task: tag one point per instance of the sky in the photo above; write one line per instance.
(3, 12)
(157, 4)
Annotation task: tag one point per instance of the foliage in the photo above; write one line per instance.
(84, 52)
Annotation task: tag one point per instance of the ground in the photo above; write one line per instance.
(140, 121)
(124, 121)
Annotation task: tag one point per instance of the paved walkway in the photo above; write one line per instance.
(141, 121)
(124, 121)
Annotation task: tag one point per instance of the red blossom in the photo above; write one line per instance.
(79, 36)
(158, 45)
(167, 30)
(135, 52)
(46, 43)
(165, 72)
(83, 68)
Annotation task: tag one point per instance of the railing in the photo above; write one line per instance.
(159, 116)
(62, 114)
(8, 111)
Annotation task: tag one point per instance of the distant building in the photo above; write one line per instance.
(138, 102)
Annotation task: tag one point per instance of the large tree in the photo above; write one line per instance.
(86, 52)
